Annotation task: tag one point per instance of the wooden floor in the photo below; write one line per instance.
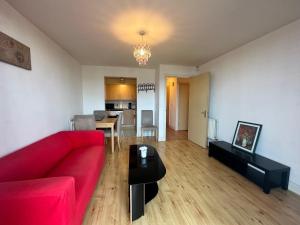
(196, 190)
(176, 135)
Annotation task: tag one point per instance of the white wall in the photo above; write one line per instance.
(260, 82)
(94, 89)
(36, 103)
(164, 71)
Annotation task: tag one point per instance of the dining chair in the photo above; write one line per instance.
(84, 122)
(147, 123)
(117, 131)
(128, 121)
(100, 114)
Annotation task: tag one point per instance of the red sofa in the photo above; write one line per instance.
(50, 182)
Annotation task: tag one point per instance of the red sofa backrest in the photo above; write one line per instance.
(35, 160)
(85, 138)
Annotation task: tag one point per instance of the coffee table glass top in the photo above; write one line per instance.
(148, 170)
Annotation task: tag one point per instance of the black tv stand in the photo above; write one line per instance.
(261, 170)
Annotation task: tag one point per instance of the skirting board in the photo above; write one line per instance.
(294, 187)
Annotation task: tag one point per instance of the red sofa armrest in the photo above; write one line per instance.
(45, 201)
(85, 138)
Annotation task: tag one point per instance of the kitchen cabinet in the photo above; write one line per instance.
(120, 92)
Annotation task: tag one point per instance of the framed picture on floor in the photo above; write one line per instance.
(246, 136)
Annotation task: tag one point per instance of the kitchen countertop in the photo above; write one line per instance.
(116, 109)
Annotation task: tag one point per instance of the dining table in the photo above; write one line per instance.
(108, 123)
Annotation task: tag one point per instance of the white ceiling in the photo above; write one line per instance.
(184, 32)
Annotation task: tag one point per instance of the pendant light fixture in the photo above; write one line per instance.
(142, 51)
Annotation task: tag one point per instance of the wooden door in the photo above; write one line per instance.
(183, 106)
(198, 109)
(168, 106)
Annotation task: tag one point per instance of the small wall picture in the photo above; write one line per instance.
(246, 136)
(14, 52)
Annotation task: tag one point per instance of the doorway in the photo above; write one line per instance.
(121, 97)
(177, 107)
(187, 104)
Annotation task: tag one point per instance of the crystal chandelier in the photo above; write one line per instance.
(142, 51)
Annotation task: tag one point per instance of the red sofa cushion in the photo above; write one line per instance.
(85, 165)
(69, 164)
(35, 160)
(47, 201)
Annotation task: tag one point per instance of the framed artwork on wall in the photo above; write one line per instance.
(13, 52)
(246, 136)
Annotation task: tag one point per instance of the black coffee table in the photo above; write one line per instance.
(142, 179)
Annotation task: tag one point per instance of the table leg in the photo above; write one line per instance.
(142, 133)
(112, 139)
(136, 201)
(285, 180)
(266, 185)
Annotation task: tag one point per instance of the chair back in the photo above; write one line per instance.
(84, 122)
(119, 123)
(100, 114)
(147, 118)
(128, 117)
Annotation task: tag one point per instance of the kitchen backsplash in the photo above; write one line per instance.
(120, 104)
